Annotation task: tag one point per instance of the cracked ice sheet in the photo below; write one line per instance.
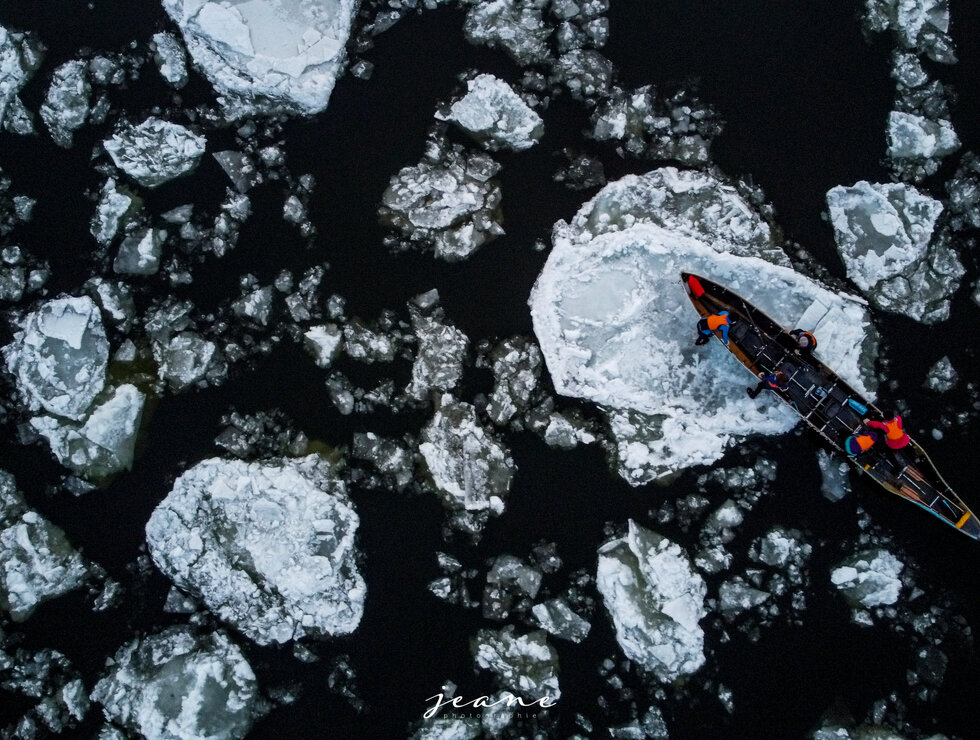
(616, 328)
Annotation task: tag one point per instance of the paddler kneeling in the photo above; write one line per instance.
(895, 436)
(776, 382)
(710, 324)
(861, 442)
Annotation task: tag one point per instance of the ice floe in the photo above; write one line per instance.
(155, 151)
(656, 601)
(267, 546)
(525, 664)
(616, 327)
(869, 578)
(266, 57)
(885, 235)
(20, 56)
(495, 116)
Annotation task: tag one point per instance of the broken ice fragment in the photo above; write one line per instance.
(525, 664)
(495, 116)
(655, 600)
(139, 253)
(557, 618)
(177, 684)
(170, 58)
(942, 376)
(869, 578)
(66, 105)
(155, 151)
(59, 356)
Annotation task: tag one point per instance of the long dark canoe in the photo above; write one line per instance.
(829, 405)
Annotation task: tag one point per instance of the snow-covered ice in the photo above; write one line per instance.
(176, 684)
(442, 349)
(495, 116)
(37, 563)
(656, 601)
(525, 664)
(869, 578)
(66, 105)
(59, 356)
(116, 204)
(919, 25)
(885, 236)
(557, 617)
(267, 546)
(185, 359)
(170, 58)
(104, 443)
(267, 56)
(942, 376)
(516, 26)
(140, 252)
(918, 144)
(155, 151)
(616, 327)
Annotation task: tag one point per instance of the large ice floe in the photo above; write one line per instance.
(885, 235)
(37, 563)
(494, 115)
(616, 327)
(267, 546)
(267, 56)
(656, 601)
(155, 151)
(176, 684)
(59, 356)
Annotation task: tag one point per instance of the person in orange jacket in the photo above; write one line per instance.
(710, 324)
(862, 442)
(895, 436)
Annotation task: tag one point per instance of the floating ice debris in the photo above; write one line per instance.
(516, 363)
(116, 205)
(441, 351)
(170, 58)
(255, 306)
(391, 458)
(869, 578)
(964, 194)
(66, 105)
(917, 145)
(155, 151)
(103, 445)
(884, 233)
(186, 359)
(323, 342)
(736, 596)
(919, 25)
(616, 327)
(516, 26)
(511, 585)
(495, 116)
(449, 202)
(263, 434)
(455, 728)
(558, 619)
(20, 56)
(469, 467)
(139, 253)
(942, 376)
(679, 128)
(265, 57)
(586, 73)
(655, 600)
(781, 548)
(267, 546)
(59, 356)
(525, 664)
(177, 684)
(834, 481)
(369, 344)
(582, 172)
(568, 429)
(48, 678)
(240, 168)
(37, 563)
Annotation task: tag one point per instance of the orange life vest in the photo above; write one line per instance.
(716, 320)
(865, 442)
(893, 429)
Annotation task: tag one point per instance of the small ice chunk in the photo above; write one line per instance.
(185, 360)
(525, 664)
(323, 342)
(66, 105)
(255, 306)
(20, 56)
(139, 253)
(517, 27)
(736, 596)
(442, 348)
(115, 205)
(834, 483)
(170, 58)
(869, 578)
(470, 468)
(558, 619)
(155, 151)
(240, 169)
(942, 376)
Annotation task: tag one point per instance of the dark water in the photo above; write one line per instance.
(805, 99)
